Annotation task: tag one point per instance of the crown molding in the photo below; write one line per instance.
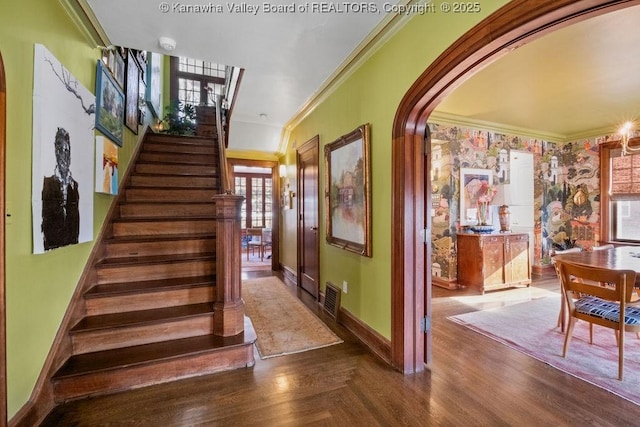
(440, 117)
(376, 38)
(81, 14)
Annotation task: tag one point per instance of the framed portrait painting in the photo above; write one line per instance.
(109, 105)
(348, 191)
(473, 183)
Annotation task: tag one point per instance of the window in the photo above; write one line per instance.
(256, 210)
(620, 195)
(196, 82)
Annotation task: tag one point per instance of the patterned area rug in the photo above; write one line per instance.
(530, 327)
(283, 324)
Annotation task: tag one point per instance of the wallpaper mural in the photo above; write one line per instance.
(566, 189)
(62, 173)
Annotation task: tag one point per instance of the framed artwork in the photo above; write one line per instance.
(153, 83)
(473, 183)
(348, 191)
(106, 166)
(132, 93)
(118, 69)
(109, 105)
(62, 169)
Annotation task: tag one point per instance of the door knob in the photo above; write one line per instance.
(314, 228)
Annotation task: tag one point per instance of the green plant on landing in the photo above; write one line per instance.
(180, 119)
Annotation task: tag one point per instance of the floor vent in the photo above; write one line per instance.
(332, 300)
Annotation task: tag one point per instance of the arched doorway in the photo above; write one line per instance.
(3, 340)
(516, 23)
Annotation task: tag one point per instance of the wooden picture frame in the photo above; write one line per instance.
(132, 110)
(470, 179)
(348, 191)
(109, 105)
(153, 84)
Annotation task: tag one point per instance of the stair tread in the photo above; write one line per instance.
(147, 353)
(164, 219)
(135, 287)
(154, 259)
(155, 237)
(133, 318)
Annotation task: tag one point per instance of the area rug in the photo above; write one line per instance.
(283, 324)
(530, 327)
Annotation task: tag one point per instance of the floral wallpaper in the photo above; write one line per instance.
(566, 189)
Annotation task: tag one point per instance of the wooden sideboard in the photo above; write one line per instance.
(493, 261)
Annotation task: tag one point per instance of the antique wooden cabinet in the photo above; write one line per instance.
(493, 261)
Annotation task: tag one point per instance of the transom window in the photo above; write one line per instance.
(196, 82)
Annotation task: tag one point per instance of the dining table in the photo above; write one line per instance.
(618, 258)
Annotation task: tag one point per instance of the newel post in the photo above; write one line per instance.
(228, 309)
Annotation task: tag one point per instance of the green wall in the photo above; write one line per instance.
(38, 287)
(372, 95)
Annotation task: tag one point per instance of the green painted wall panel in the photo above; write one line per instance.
(39, 287)
(372, 95)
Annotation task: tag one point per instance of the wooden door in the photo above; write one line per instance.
(517, 265)
(308, 201)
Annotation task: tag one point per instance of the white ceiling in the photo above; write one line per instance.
(578, 81)
(286, 56)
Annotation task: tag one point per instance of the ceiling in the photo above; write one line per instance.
(287, 56)
(575, 82)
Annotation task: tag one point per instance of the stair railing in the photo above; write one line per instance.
(226, 183)
(228, 310)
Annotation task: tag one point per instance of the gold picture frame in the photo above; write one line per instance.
(348, 191)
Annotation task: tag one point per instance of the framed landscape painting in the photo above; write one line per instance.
(348, 191)
(109, 105)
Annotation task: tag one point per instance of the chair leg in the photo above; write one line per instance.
(567, 337)
(621, 355)
(562, 315)
(590, 333)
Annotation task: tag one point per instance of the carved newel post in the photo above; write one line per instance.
(228, 313)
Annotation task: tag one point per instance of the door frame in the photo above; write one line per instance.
(275, 205)
(311, 144)
(516, 23)
(3, 301)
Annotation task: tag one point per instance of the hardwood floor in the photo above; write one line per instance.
(472, 381)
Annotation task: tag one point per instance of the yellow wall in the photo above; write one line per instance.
(372, 95)
(39, 287)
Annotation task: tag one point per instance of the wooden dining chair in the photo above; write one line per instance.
(260, 239)
(601, 305)
(562, 316)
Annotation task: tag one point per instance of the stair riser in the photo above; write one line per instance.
(172, 181)
(167, 169)
(169, 195)
(149, 300)
(152, 147)
(162, 228)
(168, 247)
(132, 377)
(147, 210)
(171, 140)
(179, 158)
(155, 271)
(87, 342)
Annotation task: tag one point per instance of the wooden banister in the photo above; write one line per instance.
(226, 183)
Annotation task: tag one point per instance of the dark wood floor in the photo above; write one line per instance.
(472, 381)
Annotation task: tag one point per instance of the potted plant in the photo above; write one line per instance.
(179, 119)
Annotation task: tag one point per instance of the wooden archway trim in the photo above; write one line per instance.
(516, 23)
(3, 306)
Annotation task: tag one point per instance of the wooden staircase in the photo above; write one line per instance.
(147, 311)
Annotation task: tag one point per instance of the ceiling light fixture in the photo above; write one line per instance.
(167, 43)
